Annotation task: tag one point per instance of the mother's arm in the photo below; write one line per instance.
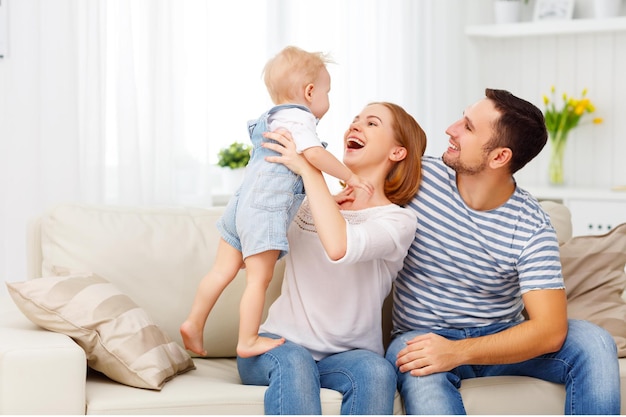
(329, 223)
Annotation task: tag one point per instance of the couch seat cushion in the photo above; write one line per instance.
(213, 387)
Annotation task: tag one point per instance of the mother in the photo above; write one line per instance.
(345, 252)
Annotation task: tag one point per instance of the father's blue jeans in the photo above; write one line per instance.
(366, 380)
(587, 364)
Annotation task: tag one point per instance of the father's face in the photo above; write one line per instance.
(466, 152)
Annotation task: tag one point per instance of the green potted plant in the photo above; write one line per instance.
(233, 159)
(234, 156)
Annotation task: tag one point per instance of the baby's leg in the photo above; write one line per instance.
(228, 261)
(259, 272)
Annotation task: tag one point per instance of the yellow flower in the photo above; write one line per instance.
(559, 121)
(580, 107)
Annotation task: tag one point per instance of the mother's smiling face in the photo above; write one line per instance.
(370, 138)
(385, 143)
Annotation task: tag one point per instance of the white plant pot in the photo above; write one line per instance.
(507, 11)
(232, 178)
(606, 8)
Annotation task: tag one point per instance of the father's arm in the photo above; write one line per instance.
(543, 332)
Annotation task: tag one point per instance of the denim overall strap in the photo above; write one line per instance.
(265, 116)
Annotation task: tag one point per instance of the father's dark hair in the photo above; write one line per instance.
(521, 127)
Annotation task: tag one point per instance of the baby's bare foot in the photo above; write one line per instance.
(257, 346)
(192, 338)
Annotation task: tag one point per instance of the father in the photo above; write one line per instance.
(484, 251)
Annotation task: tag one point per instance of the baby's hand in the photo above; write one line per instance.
(346, 195)
(356, 182)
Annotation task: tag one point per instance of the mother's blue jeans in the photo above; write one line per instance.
(587, 365)
(366, 380)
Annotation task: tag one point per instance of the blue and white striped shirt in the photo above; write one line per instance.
(469, 268)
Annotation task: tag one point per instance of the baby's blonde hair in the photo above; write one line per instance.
(291, 70)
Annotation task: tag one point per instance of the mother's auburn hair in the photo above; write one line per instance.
(404, 178)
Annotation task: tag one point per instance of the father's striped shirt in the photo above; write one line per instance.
(469, 268)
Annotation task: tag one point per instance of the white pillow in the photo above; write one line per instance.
(118, 337)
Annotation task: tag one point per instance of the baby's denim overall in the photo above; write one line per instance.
(257, 217)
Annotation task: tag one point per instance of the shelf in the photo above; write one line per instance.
(548, 27)
(568, 193)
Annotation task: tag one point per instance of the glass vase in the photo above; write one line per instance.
(555, 170)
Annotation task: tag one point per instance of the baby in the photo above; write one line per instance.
(254, 225)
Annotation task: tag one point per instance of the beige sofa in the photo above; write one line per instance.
(157, 257)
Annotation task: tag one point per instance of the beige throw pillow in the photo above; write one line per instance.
(118, 337)
(593, 269)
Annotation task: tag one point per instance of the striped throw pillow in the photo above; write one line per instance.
(118, 337)
(593, 270)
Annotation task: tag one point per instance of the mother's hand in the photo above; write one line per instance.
(287, 150)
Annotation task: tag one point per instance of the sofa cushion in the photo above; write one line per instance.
(593, 270)
(118, 337)
(214, 388)
(156, 256)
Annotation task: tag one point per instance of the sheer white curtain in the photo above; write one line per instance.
(164, 84)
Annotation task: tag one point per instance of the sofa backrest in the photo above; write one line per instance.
(561, 219)
(156, 256)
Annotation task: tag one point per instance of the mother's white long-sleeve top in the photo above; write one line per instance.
(334, 306)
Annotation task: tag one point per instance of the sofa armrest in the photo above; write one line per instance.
(41, 372)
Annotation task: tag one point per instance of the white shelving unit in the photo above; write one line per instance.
(594, 211)
(545, 28)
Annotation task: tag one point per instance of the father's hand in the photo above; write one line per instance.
(428, 354)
